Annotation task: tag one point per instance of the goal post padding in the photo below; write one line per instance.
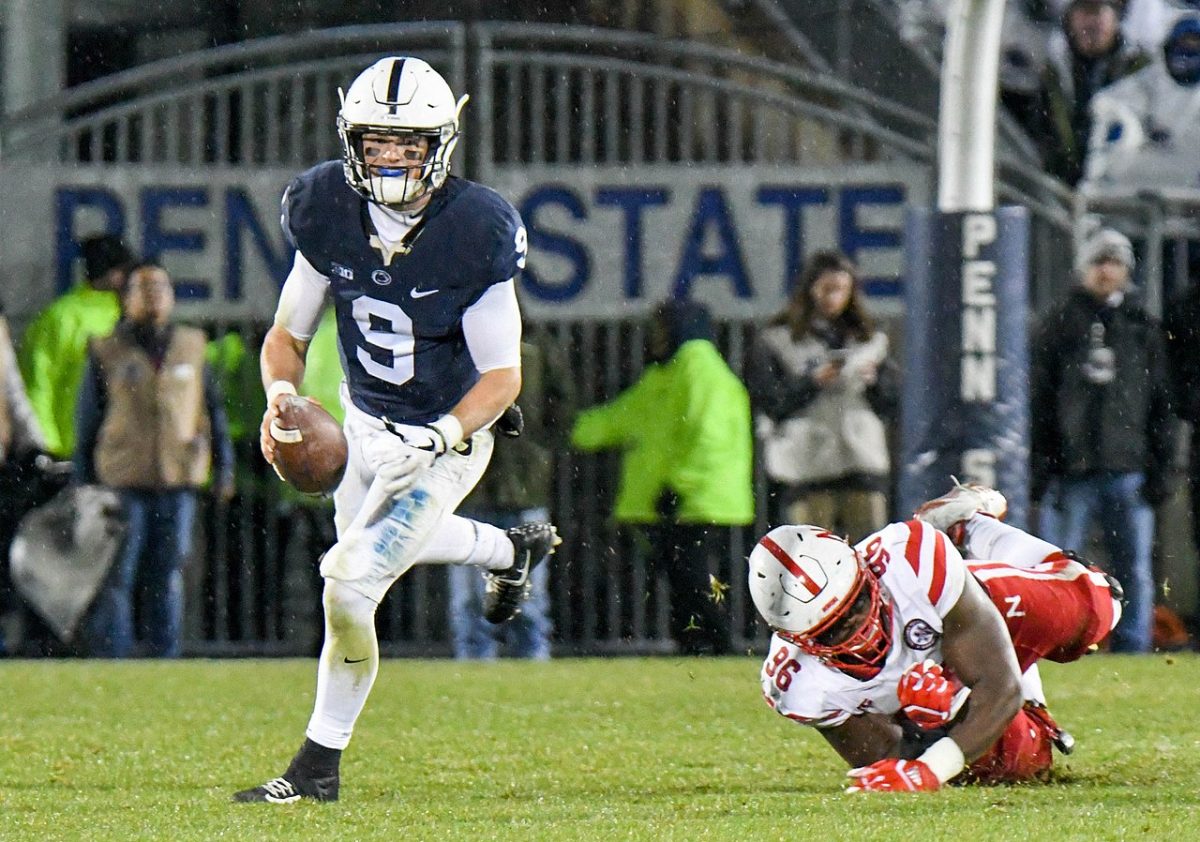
(965, 409)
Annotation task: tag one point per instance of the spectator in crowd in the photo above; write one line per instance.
(1144, 23)
(151, 425)
(516, 490)
(880, 657)
(1182, 328)
(1028, 29)
(54, 347)
(1091, 55)
(21, 442)
(822, 386)
(684, 432)
(1024, 47)
(1102, 438)
(1144, 127)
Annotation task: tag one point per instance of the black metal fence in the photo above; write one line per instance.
(253, 587)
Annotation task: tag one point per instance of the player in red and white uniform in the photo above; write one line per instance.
(908, 658)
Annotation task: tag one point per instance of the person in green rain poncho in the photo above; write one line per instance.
(54, 347)
(686, 470)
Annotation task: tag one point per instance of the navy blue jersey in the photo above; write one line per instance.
(400, 323)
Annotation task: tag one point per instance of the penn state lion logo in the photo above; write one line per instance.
(918, 634)
(381, 277)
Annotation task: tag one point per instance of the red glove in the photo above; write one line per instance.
(891, 775)
(928, 696)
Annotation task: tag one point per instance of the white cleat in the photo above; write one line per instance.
(956, 506)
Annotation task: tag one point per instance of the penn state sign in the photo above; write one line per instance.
(603, 241)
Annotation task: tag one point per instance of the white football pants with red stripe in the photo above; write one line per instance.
(1054, 607)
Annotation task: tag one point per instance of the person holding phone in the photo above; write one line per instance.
(823, 388)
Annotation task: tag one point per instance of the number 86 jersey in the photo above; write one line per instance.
(922, 575)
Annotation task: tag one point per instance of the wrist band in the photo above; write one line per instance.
(944, 758)
(450, 429)
(279, 387)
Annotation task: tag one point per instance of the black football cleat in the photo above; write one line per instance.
(507, 589)
(290, 790)
(1062, 739)
(1114, 587)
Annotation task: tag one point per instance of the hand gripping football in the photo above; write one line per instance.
(310, 448)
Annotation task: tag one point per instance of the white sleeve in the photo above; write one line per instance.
(492, 327)
(800, 693)
(26, 432)
(302, 299)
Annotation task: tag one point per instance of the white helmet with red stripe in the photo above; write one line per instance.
(815, 591)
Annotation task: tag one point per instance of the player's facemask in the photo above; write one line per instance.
(399, 179)
(857, 637)
(396, 98)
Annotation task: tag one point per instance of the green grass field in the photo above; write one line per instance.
(648, 749)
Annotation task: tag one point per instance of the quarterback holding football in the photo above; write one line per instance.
(420, 268)
(917, 666)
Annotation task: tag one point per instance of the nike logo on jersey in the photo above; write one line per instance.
(355, 661)
(415, 294)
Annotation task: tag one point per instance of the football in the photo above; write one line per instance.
(310, 448)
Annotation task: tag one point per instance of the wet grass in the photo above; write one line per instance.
(646, 749)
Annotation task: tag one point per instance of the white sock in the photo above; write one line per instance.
(458, 540)
(991, 540)
(1031, 686)
(348, 664)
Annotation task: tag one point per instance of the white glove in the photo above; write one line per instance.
(398, 464)
(400, 459)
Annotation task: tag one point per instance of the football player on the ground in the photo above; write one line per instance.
(910, 660)
(420, 268)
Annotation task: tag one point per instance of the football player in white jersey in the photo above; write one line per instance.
(420, 269)
(916, 665)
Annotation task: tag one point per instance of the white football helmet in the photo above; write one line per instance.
(398, 97)
(814, 590)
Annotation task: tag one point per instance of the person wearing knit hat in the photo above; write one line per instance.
(1102, 435)
(1106, 246)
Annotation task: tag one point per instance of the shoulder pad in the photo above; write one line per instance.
(497, 227)
(307, 202)
(934, 562)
